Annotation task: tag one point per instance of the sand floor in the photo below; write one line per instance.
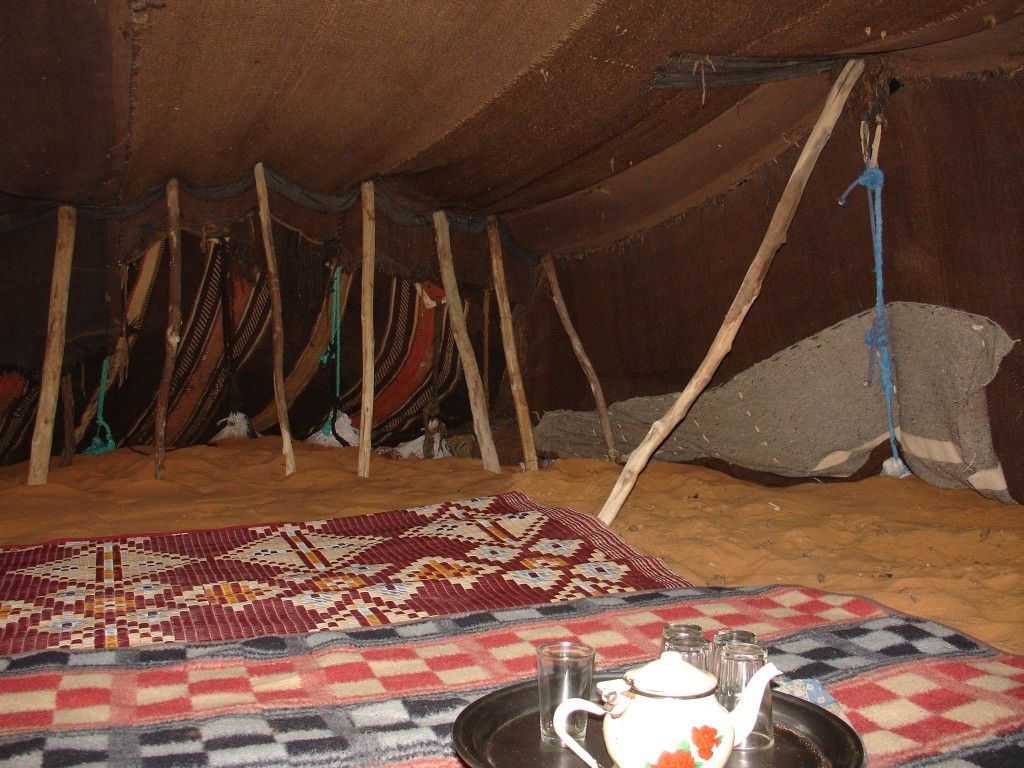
(950, 556)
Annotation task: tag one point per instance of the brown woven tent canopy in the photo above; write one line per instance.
(644, 142)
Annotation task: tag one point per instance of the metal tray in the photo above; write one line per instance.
(500, 730)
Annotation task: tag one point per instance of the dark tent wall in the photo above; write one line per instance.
(541, 113)
(952, 151)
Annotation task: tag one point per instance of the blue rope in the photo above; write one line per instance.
(878, 337)
(334, 348)
(104, 439)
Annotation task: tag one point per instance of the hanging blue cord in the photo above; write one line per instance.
(104, 439)
(334, 348)
(878, 337)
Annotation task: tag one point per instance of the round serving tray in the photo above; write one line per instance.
(500, 730)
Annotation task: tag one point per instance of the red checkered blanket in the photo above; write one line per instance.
(917, 692)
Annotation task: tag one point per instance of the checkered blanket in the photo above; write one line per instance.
(920, 694)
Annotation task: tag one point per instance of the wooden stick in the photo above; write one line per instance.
(508, 341)
(267, 227)
(481, 425)
(53, 355)
(875, 145)
(308, 362)
(133, 314)
(67, 399)
(487, 349)
(366, 318)
(173, 334)
(581, 355)
(748, 292)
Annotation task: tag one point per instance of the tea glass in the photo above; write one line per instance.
(737, 664)
(565, 670)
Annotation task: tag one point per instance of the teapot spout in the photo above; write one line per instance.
(744, 715)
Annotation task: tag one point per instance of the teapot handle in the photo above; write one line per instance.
(562, 713)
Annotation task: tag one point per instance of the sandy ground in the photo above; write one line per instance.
(951, 556)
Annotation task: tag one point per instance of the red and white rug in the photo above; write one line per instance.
(286, 578)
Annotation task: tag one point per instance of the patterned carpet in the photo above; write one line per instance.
(286, 578)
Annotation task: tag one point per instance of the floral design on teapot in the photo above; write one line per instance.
(704, 738)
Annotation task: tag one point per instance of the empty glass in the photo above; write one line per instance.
(722, 638)
(676, 629)
(695, 650)
(565, 670)
(737, 664)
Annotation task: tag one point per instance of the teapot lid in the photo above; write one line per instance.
(671, 677)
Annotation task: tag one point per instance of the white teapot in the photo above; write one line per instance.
(667, 706)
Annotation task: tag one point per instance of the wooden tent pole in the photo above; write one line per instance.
(508, 341)
(53, 355)
(487, 349)
(173, 334)
(581, 355)
(481, 425)
(366, 319)
(67, 400)
(748, 292)
(267, 227)
(147, 269)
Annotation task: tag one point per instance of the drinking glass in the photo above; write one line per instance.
(722, 638)
(694, 650)
(565, 670)
(737, 664)
(676, 629)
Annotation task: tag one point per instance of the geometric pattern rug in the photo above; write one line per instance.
(918, 693)
(284, 578)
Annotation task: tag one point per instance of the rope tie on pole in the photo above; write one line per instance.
(103, 441)
(337, 429)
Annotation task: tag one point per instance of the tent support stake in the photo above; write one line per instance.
(53, 356)
(477, 401)
(266, 225)
(173, 334)
(581, 355)
(515, 375)
(366, 319)
(748, 291)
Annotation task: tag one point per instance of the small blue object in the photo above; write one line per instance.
(103, 442)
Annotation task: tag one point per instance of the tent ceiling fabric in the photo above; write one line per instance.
(535, 110)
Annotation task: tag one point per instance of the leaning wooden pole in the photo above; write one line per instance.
(172, 336)
(53, 355)
(515, 375)
(487, 349)
(267, 227)
(477, 401)
(748, 292)
(366, 319)
(581, 355)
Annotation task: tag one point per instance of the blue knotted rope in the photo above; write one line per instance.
(104, 439)
(878, 337)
